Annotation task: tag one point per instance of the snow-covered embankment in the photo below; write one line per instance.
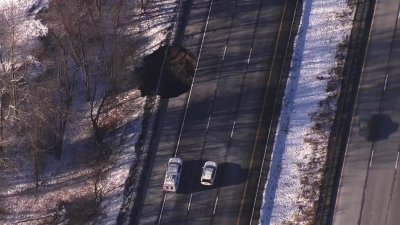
(299, 154)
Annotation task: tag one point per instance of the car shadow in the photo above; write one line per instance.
(378, 127)
(227, 174)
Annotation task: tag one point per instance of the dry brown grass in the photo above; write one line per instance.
(311, 179)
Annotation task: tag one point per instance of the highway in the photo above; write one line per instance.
(226, 117)
(369, 189)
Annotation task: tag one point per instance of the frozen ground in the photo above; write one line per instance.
(299, 153)
(69, 182)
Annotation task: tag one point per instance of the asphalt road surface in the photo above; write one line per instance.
(225, 116)
(369, 190)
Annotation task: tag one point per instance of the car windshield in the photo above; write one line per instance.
(173, 167)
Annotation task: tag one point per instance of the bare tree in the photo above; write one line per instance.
(35, 122)
(8, 77)
(95, 113)
(65, 84)
(13, 71)
(116, 47)
(71, 30)
(90, 41)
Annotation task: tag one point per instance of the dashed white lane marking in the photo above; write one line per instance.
(233, 128)
(223, 56)
(248, 60)
(386, 78)
(397, 160)
(215, 205)
(372, 156)
(398, 15)
(162, 209)
(208, 123)
(190, 202)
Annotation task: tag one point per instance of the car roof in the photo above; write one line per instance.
(173, 168)
(208, 172)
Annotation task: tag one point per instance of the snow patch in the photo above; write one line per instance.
(323, 26)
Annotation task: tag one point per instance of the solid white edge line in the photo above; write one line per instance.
(269, 129)
(215, 205)
(162, 209)
(194, 76)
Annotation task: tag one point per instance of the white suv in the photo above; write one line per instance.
(172, 175)
(209, 172)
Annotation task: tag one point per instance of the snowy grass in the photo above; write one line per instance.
(72, 178)
(299, 153)
(67, 183)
